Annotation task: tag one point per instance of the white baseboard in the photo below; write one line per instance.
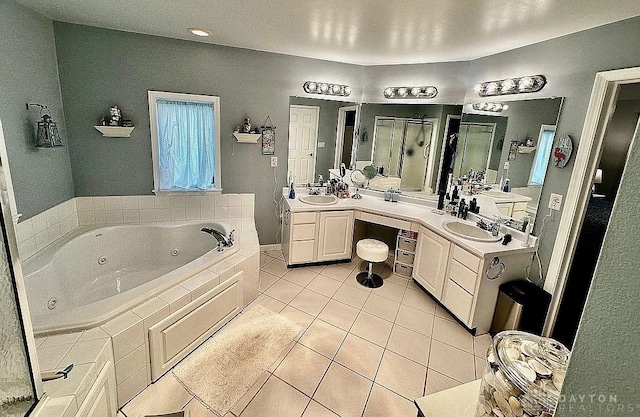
(277, 246)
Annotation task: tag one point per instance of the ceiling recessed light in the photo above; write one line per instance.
(199, 32)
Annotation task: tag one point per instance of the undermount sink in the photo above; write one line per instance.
(319, 200)
(469, 231)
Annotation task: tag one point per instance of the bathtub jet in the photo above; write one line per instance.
(223, 240)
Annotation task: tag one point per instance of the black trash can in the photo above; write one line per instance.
(521, 305)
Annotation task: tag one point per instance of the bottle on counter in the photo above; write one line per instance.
(246, 127)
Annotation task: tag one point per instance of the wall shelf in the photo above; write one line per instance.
(247, 137)
(115, 131)
(526, 149)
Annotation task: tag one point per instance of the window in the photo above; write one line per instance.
(185, 141)
(543, 153)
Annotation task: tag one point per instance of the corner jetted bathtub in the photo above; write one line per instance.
(93, 275)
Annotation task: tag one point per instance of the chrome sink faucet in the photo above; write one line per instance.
(223, 240)
(496, 224)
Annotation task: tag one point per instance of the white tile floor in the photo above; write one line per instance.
(364, 353)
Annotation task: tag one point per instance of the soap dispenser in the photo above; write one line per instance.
(292, 192)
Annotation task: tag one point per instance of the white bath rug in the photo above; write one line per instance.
(227, 365)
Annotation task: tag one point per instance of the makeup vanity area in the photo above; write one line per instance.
(461, 274)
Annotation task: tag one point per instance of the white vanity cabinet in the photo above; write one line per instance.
(469, 293)
(317, 236)
(430, 264)
(517, 209)
(335, 235)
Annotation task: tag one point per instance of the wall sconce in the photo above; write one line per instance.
(314, 87)
(48, 135)
(527, 84)
(410, 92)
(493, 107)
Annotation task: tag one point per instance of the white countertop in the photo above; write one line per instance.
(460, 401)
(416, 213)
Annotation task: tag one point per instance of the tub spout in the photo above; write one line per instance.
(223, 240)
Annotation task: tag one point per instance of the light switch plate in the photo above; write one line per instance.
(274, 161)
(506, 165)
(320, 144)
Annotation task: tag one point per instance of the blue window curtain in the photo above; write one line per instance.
(186, 145)
(542, 157)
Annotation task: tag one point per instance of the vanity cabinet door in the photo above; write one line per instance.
(335, 235)
(429, 268)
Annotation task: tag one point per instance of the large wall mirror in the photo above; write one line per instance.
(509, 152)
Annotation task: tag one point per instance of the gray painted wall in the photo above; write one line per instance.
(29, 73)
(100, 67)
(604, 359)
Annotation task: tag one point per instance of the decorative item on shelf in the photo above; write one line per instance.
(268, 137)
(410, 92)
(513, 149)
(114, 126)
(526, 149)
(316, 87)
(492, 107)
(246, 126)
(526, 84)
(562, 151)
(48, 134)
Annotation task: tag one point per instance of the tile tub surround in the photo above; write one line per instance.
(384, 353)
(89, 351)
(41, 230)
(128, 332)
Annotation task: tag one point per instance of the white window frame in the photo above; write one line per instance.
(154, 96)
(543, 129)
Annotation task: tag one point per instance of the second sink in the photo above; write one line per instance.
(469, 231)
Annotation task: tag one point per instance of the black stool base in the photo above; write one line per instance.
(369, 280)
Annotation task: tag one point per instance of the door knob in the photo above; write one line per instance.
(310, 154)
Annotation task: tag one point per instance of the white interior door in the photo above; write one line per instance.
(303, 139)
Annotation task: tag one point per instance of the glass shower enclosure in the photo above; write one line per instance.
(402, 149)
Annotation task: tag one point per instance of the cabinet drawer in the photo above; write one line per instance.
(303, 251)
(522, 206)
(404, 257)
(303, 232)
(457, 300)
(402, 269)
(301, 218)
(406, 244)
(465, 258)
(463, 276)
(386, 221)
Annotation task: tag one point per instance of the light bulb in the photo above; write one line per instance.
(312, 87)
(415, 91)
(335, 88)
(347, 90)
(508, 85)
(388, 92)
(324, 88)
(525, 83)
(505, 107)
(402, 91)
(492, 88)
(431, 92)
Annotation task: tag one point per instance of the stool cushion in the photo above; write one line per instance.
(372, 250)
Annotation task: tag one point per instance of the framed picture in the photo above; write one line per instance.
(268, 141)
(513, 150)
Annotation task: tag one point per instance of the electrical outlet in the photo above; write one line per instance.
(555, 201)
(274, 161)
(506, 165)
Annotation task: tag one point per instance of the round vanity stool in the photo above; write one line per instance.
(371, 250)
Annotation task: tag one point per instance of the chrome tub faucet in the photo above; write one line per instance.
(223, 240)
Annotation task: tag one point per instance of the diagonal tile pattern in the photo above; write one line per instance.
(364, 352)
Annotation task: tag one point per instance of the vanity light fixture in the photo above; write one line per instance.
(526, 84)
(199, 32)
(410, 92)
(315, 87)
(493, 107)
(48, 134)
